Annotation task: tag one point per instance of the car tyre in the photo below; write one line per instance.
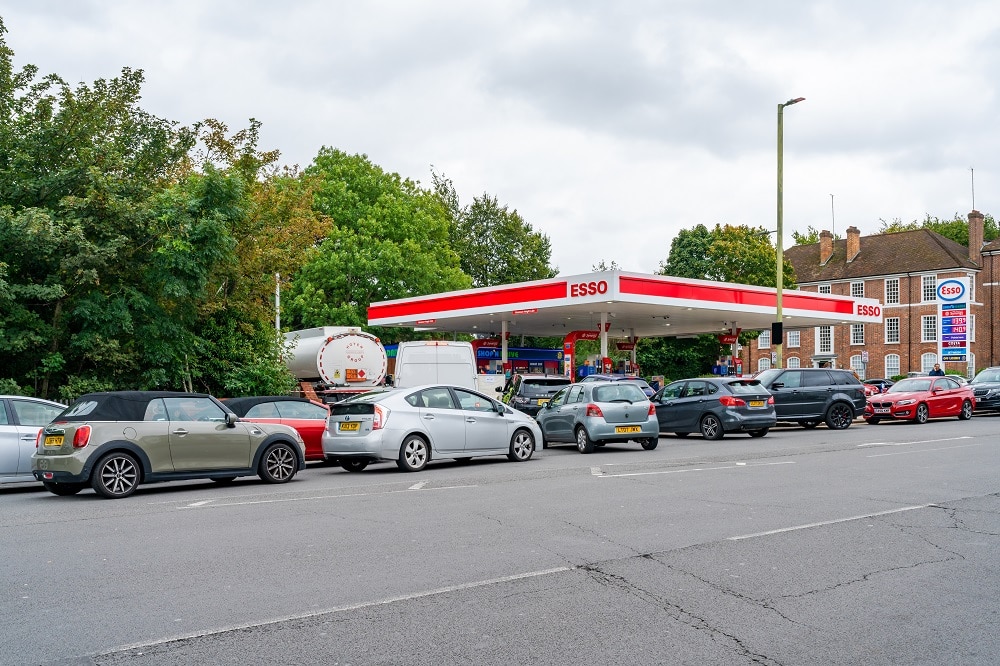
(414, 454)
(711, 427)
(63, 489)
(649, 443)
(278, 464)
(760, 432)
(839, 416)
(522, 446)
(584, 444)
(922, 414)
(809, 425)
(116, 475)
(966, 412)
(354, 465)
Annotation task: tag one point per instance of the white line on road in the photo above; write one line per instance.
(906, 453)
(201, 503)
(316, 497)
(923, 441)
(596, 471)
(828, 522)
(697, 469)
(418, 486)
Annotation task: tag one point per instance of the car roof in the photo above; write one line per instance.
(119, 405)
(240, 406)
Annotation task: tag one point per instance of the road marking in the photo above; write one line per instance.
(201, 503)
(697, 469)
(906, 453)
(921, 441)
(314, 497)
(418, 486)
(596, 471)
(829, 522)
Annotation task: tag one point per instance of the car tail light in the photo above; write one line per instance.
(594, 410)
(770, 400)
(652, 409)
(730, 401)
(38, 437)
(381, 416)
(81, 437)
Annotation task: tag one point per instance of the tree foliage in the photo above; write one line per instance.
(956, 229)
(809, 236)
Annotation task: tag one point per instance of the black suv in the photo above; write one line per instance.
(808, 396)
(529, 393)
(986, 386)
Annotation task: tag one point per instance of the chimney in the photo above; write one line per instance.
(825, 247)
(853, 243)
(976, 237)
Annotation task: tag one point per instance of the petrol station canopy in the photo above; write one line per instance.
(620, 305)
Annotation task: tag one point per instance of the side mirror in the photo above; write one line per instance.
(500, 408)
(231, 420)
(499, 389)
(777, 385)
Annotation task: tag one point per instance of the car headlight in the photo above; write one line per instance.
(905, 402)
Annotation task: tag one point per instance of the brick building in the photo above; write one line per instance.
(901, 270)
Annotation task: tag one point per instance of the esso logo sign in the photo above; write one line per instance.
(951, 290)
(869, 310)
(588, 288)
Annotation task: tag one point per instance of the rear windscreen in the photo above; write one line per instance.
(543, 386)
(746, 387)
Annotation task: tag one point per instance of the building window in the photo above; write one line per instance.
(971, 329)
(928, 328)
(927, 362)
(763, 364)
(764, 340)
(792, 362)
(892, 291)
(857, 290)
(858, 366)
(824, 340)
(971, 370)
(892, 330)
(929, 287)
(793, 339)
(891, 365)
(857, 334)
(824, 289)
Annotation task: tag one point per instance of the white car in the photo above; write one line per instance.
(412, 426)
(21, 418)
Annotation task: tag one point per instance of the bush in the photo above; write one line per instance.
(10, 387)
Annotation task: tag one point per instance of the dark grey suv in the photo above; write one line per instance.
(809, 396)
(528, 393)
(986, 386)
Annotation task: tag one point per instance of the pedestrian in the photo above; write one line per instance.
(937, 371)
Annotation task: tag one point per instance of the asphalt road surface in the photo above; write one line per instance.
(874, 545)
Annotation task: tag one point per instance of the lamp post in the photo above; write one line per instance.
(777, 332)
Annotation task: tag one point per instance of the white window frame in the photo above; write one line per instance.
(857, 334)
(858, 289)
(764, 337)
(927, 361)
(971, 328)
(857, 365)
(820, 349)
(793, 339)
(824, 289)
(928, 328)
(892, 291)
(763, 363)
(890, 329)
(793, 362)
(928, 288)
(891, 362)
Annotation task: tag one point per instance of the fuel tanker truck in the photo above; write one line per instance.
(339, 361)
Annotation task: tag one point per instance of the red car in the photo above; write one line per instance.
(308, 417)
(921, 398)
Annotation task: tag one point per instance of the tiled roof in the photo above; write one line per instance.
(882, 254)
(992, 246)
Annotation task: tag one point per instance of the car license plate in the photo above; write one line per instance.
(882, 410)
(624, 429)
(353, 426)
(756, 403)
(542, 401)
(54, 440)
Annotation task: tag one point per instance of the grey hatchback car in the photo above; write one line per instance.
(117, 440)
(598, 413)
(714, 406)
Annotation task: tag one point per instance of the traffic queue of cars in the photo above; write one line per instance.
(113, 442)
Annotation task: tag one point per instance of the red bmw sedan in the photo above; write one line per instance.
(921, 398)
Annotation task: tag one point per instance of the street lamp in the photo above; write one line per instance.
(777, 334)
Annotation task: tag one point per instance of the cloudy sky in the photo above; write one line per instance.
(609, 126)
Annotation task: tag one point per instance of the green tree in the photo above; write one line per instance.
(810, 236)
(956, 229)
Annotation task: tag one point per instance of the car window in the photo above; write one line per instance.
(265, 410)
(438, 397)
(844, 378)
(672, 391)
(790, 378)
(745, 387)
(618, 392)
(155, 411)
(30, 413)
(987, 376)
(473, 401)
(946, 383)
(695, 388)
(575, 394)
(541, 386)
(3, 414)
(559, 398)
(817, 378)
(295, 409)
(193, 409)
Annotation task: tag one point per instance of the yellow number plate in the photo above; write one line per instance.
(542, 401)
(350, 427)
(620, 429)
(756, 403)
(54, 440)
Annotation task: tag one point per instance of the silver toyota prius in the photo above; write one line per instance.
(412, 426)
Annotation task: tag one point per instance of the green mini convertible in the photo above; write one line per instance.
(117, 440)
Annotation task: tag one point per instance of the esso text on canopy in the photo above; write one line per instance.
(865, 310)
(588, 288)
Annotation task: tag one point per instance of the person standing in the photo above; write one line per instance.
(937, 371)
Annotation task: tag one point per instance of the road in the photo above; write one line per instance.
(877, 545)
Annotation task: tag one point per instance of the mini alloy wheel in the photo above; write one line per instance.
(278, 464)
(115, 476)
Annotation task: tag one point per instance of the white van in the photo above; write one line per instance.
(435, 362)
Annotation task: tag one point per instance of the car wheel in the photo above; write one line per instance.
(224, 480)
(278, 464)
(584, 444)
(413, 454)
(681, 435)
(649, 443)
(839, 416)
(63, 489)
(873, 421)
(758, 433)
(115, 476)
(354, 465)
(922, 414)
(966, 412)
(711, 427)
(522, 445)
(809, 425)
